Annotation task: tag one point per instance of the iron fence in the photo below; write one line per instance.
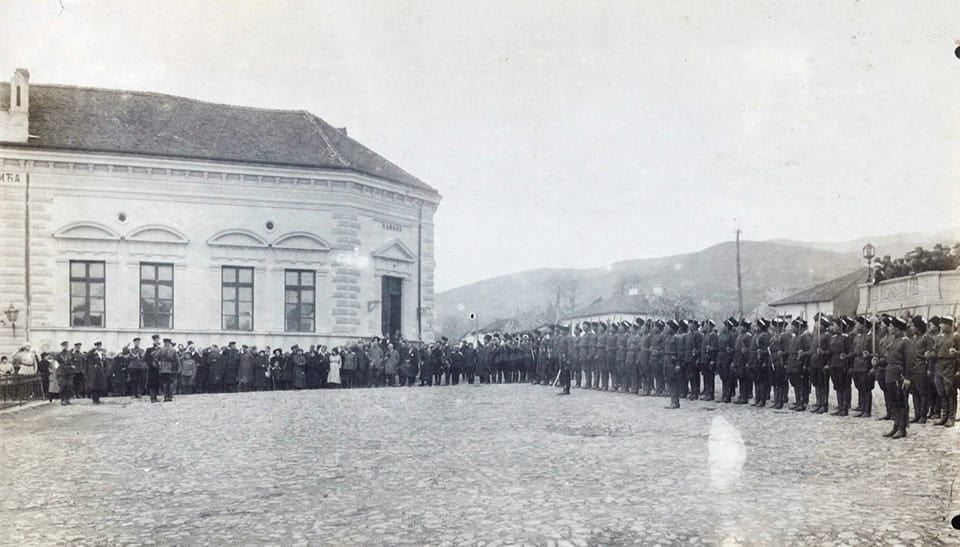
(20, 388)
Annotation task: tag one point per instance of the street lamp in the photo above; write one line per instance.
(868, 254)
(12, 314)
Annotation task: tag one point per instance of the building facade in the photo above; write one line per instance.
(615, 309)
(126, 213)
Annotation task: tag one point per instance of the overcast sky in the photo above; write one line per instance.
(572, 134)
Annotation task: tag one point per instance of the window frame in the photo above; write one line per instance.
(299, 288)
(237, 285)
(156, 283)
(87, 281)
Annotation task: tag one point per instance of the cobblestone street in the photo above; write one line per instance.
(505, 464)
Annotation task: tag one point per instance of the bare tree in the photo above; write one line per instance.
(566, 289)
(625, 282)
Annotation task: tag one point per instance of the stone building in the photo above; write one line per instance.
(126, 213)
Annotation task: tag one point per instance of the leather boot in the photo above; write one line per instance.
(902, 424)
(944, 406)
(861, 405)
(916, 409)
(951, 412)
(895, 428)
(869, 406)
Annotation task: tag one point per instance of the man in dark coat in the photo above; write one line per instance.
(261, 364)
(65, 373)
(153, 369)
(214, 362)
(168, 363)
(313, 368)
(231, 367)
(96, 377)
(79, 361)
(137, 369)
(947, 352)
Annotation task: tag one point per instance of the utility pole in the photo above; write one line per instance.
(739, 280)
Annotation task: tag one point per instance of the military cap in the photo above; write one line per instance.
(711, 323)
(614, 325)
(692, 323)
(167, 341)
(444, 339)
(948, 319)
(672, 324)
(933, 320)
(487, 338)
(919, 323)
(190, 343)
(729, 323)
(639, 321)
(603, 325)
(762, 323)
(898, 323)
(745, 323)
(659, 323)
(626, 324)
(77, 344)
(885, 319)
(137, 339)
(825, 321)
(98, 343)
(846, 322)
(155, 337)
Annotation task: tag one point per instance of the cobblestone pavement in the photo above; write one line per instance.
(507, 464)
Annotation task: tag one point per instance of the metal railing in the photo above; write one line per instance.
(20, 388)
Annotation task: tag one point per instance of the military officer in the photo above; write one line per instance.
(901, 359)
(839, 349)
(612, 337)
(708, 358)
(671, 360)
(925, 345)
(794, 351)
(947, 349)
(819, 373)
(563, 357)
(644, 359)
(65, 373)
(725, 354)
(742, 347)
(693, 344)
(631, 358)
(862, 350)
(623, 338)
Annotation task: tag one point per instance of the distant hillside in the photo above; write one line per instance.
(707, 277)
(894, 245)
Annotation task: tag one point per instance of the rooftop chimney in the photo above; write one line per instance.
(14, 123)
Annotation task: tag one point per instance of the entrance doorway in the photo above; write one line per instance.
(392, 306)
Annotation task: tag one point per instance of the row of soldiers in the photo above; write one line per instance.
(761, 360)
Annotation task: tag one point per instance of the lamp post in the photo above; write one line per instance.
(12, 314)
(868, 254)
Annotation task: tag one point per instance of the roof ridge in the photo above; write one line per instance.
(161, 94)
(312, 118)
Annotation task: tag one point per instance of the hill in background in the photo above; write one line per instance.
(705, 279)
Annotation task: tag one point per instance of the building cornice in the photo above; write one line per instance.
(228, 173)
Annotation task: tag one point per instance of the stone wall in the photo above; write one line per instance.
(926, 294)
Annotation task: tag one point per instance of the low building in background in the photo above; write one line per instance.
(839, 296)
(129, 212)
(615, 308)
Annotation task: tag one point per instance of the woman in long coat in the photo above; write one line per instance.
(245, 370)
(276, 369)
(299, 370)
(261, 364)
(53, 389)
(333, 377)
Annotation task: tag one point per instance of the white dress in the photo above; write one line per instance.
(333, 377)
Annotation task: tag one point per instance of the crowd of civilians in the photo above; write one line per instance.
(919, 260)
(165, 369)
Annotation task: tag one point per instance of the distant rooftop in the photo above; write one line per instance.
(155, 124)
(620, 304)
(827, 291)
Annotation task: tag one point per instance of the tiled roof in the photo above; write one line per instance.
(620, 304)
(155, 124)
(827, 291)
